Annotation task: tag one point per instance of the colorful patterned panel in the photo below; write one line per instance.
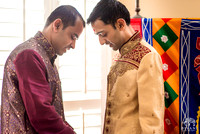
(147, 30)
(169, 122)
(165, 37)
(177, 40)
(170, 95)
(169, 67)
(190, 76)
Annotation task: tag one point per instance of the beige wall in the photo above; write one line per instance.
(165, 8)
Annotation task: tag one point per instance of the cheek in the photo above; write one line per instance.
(67, 39)
(114, 38)
(64, 40)
(111, 38)
(67, 42)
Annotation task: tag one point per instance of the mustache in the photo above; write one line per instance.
(107, 42)
(68, 47)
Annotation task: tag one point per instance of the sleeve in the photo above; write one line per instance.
(151, 94)
(36, 94)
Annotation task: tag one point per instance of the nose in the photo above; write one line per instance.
(102, 40)
(73, 44)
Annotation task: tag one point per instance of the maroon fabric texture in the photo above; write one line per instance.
(31, 93)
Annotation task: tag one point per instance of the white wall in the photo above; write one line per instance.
(165, 8)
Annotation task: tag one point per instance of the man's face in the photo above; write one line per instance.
(107, 34)
(64, 39)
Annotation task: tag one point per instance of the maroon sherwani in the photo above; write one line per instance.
(31, 92)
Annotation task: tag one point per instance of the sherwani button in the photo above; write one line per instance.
(127, 95)
(108, 121)
(109, 113)
(107, 129)
(109, 104)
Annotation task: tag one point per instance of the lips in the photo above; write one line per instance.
(65, 49)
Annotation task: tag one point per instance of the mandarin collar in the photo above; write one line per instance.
(46, 45)
(131, 43)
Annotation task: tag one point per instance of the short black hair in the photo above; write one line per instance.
(109, 11)
(68, 14)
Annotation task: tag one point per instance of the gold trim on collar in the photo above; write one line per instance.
(130, 44)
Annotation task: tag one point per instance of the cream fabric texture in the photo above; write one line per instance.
(135, 91)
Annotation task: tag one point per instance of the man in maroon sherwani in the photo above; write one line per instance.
(31, 92)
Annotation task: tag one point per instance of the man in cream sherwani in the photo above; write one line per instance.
(135, 90)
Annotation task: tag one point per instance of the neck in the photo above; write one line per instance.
(129, 33)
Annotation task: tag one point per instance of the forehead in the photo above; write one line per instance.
(77, 28)
(99, 25)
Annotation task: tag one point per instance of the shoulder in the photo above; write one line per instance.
(29, 44)
(138, 52)
(147, 45)
(28, 56)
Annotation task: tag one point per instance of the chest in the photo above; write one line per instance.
(122, 81)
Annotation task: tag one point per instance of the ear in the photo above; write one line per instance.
(57, 24)
(120, 24)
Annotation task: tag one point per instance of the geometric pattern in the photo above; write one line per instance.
(184, 83)
(147, 30)
(177, 40)
(165, 37)
(189, 84)
(165, 41)
(169, 122)
(169, 67)
(170, 95)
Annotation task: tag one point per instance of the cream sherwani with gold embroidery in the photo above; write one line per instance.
(135, 91)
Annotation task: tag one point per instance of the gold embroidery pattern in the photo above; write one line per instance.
(45, 44)
(127, 62)
(134, 40)
(118, 70)
(137, 54)
(129, 46)
(197, 121)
